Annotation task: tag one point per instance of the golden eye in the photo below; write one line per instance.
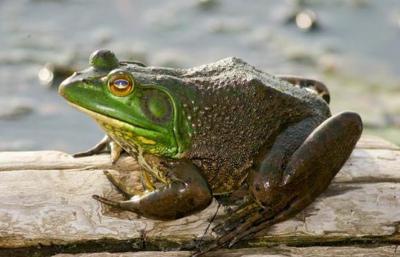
(120, 84)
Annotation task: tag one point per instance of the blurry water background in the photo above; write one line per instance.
(355, 50)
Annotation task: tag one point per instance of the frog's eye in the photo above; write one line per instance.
(120, 84)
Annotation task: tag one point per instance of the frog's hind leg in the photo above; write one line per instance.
(291, 177)
(315, 86)
(309, 170)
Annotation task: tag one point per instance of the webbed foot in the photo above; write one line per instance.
(234, 224)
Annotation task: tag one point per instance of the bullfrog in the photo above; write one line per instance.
(210, 130)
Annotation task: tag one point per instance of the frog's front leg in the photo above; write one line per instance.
(297, 169)
(188, 193)
(104, 144)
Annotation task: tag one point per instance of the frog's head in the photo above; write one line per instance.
(135, 111)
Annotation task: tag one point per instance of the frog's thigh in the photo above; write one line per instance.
(312, 166)
(188, 193)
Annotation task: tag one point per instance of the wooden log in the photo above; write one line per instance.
(46, 202)
(382, 251)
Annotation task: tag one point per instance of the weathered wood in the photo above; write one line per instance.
(383, 251)
(46, 201)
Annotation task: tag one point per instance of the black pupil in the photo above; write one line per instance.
(121, 83)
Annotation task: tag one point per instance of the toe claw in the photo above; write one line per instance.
(96, 197)
(106, 201)
(108, 174)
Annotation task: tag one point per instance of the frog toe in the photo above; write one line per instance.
(105, 145)
(252, 220)
(230, 232)
(97, 149)
(116, 151)
(123, 187)
(106, 201)
(236, 217)
(267, 219)
(127, 205)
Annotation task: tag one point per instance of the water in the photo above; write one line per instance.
(356, 51)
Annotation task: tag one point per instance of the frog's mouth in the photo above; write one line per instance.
(124, 133)
(104, 119)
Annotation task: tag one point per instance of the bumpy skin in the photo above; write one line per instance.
(211, 129)
(239, 113)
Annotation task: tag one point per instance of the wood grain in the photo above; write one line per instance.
(46, 202)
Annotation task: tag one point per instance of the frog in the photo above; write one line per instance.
(202, 132)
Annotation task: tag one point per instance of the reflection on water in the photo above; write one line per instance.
(354, 49)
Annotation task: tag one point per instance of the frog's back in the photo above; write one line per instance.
(235, 111)
(239, 111)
